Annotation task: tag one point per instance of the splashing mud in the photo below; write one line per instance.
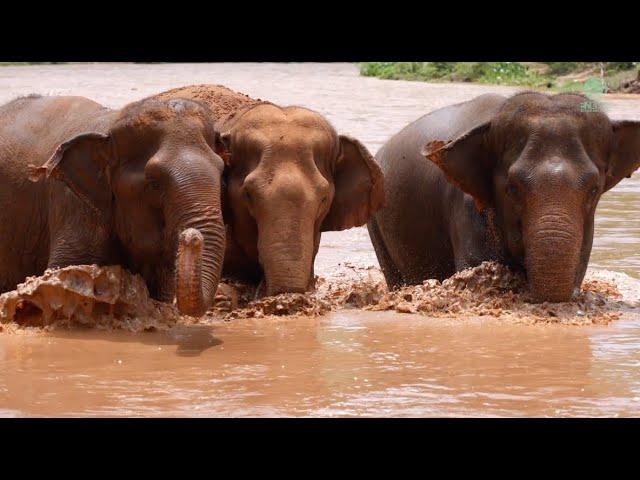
(85, 295)
(112, 298)
(352, 287)
(489, 289)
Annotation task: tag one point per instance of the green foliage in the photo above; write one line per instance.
(501, 73)
(620, 66)
(506, 73)
(564, 68)
(403, 70)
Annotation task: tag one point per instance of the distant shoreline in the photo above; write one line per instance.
(596, 77)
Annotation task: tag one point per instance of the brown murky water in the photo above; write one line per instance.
(348, 362)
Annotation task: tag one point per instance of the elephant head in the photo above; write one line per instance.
(289, 177)
(150, 172)
(540, 163)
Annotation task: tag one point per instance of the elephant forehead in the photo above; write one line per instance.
(573, 107)
(272, 117)
(158, 115)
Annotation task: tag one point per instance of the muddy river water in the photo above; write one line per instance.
(348, 362)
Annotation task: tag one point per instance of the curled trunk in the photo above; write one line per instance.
(190, 295)
(195, 220)
(198, 268)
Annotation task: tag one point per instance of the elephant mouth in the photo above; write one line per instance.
(265, 288)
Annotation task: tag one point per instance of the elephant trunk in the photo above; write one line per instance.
(552, 256)
(289, 277)
(200, 233)
(287, 260)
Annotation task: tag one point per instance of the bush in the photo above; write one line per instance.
(501, 73)
(507, 73)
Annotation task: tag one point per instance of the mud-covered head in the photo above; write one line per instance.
(290, 176)
(541, 162)
(150, 172)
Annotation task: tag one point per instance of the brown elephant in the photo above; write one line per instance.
(139, 187)
(511, 179)
(289, 176)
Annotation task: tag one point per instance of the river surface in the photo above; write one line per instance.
(346, 363)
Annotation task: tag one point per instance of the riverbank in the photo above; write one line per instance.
(591, 77)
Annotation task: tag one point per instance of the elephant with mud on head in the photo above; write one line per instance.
(288, 177)
(510, 179)
(139, 187)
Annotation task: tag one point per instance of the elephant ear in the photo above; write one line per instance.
(625, 157)
(359, 188)
(466, 162)
(81, 163)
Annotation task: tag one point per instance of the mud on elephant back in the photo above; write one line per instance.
(138, 187)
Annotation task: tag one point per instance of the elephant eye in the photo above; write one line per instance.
(153, 192)
(153, 185)
(513, 191)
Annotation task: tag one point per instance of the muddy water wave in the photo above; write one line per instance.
(489, 289)
(85, 296)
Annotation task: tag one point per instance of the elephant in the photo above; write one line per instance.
(288, 177)
(511, 179)
(139, 187)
